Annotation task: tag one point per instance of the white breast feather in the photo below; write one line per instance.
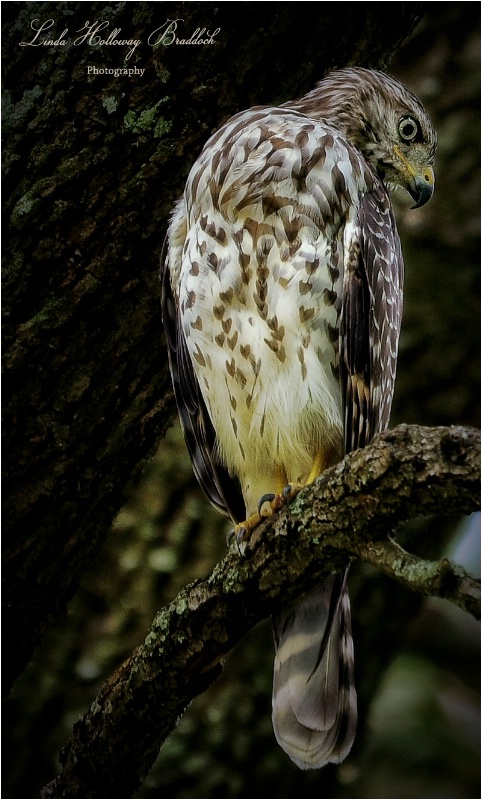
(267, 377)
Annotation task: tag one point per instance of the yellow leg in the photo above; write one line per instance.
(320, 463)
(270, 504)
(284, 492)
(281, 480)
(317, 468)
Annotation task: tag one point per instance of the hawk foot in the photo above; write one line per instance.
(272, 503)
(268, 505)
(291, 490)
(243, 530)
(277, 501)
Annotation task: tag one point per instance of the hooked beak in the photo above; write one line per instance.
(421, 187)
(420, 184)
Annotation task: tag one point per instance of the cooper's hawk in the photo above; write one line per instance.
(282, 305)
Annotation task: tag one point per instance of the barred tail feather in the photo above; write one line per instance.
(314, 698)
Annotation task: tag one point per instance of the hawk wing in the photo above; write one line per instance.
(222, 489)
(314, 699)
(370, 320)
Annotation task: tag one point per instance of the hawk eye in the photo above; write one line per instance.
(408, 129)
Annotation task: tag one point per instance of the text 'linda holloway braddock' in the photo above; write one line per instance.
(96, 34)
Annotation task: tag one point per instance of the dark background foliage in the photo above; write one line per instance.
(418, 680)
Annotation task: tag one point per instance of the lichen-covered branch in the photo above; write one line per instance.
(349, 512)
(431, 578)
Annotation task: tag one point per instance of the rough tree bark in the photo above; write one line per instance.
(92, 167)
(347, 513)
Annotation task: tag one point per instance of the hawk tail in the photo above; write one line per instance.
(314, 698)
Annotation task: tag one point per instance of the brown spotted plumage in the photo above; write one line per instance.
(282, 305)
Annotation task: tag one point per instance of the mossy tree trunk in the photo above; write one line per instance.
(92, 167)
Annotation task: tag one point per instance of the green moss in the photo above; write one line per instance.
(41, 153)
(48, 317)
(163, 126)
(15, 114)
(161, 623)
(297, 505)
(147, 120)
(72, 167)
(28, 202)
(162, 73)
(180, 604)
(59, 209)
(110, 104)
(24, 205)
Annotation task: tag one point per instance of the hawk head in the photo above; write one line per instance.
(385, 121)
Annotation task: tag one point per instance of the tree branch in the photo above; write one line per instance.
(430, 578)
(348, 512)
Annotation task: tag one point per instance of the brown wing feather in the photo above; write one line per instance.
(370, 320)
(222, 489)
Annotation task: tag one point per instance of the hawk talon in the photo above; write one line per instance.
(266, 498)
(287, 492)
(235, 537)
(241, 533)
(278, 500)
(242, 530)
(291, 490)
